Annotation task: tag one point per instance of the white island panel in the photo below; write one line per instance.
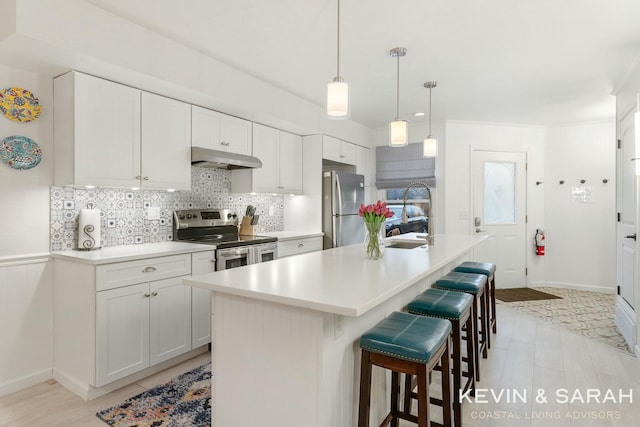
(285, 345)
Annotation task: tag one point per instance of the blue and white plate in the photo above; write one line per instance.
(20, 152)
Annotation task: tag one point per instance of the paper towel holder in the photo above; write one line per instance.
(89, 233)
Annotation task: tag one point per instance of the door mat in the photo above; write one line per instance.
(183, 401)
(522, 294)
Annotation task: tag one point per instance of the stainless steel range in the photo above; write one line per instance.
(219, 227)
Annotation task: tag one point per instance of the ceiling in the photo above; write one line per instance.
(530, 62)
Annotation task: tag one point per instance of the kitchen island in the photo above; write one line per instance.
(285, 333)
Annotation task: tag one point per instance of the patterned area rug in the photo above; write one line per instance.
(183, 401)
(522, 294)
(591, 314)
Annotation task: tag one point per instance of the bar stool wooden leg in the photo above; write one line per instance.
(494, 321)
(365, 389)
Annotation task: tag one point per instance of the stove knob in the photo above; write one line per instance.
(235, 216)
(181, 217)
(188, 216)
(229, 216)
(195, 216)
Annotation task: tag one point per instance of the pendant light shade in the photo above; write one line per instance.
(338, 99)
(430, 144)
(338, 89)
(398, 128)
(398, 133)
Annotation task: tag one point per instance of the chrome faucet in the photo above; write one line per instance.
(430, 237)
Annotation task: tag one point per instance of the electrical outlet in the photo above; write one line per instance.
(338, 326)
(153, 213)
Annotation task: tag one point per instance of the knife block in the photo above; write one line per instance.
(246, 229)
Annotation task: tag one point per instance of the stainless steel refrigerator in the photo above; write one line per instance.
(342, 195)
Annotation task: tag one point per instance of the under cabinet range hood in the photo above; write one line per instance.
(208, 158)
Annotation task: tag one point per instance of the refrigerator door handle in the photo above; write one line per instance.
(337, 209)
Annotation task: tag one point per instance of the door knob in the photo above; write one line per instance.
(631, 236)
(480, 231)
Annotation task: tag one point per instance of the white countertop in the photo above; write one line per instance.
(113, 254)
(340, 280)
(292, 235)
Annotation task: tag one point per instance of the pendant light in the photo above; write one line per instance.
(398, 128)
(338, 89)
(430, 144)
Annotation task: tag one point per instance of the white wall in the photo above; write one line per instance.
(461, 139)
(24, 194)
(580, 237)
(26, 290)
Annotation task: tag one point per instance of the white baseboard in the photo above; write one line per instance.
(25, 382)
(576, 286)
(626, 322)
(88, 392)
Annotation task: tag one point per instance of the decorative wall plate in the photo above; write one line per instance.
(20, 152)
(19, 105)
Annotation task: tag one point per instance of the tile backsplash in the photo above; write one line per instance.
(123, 212)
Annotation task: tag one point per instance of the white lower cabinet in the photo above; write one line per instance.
(141, 325)
(299, 246)
(114, 320)
(201, 263)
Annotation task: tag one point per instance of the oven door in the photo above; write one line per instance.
(267, 252)
(232, 258)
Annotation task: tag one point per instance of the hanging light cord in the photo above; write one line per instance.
(430, 112)
(338, 44)
(398, 89)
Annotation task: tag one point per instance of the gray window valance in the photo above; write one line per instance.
(398, 167)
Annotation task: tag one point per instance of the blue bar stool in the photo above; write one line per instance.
(489, 270)
(456, 308)
(408, 344)
(474, 284)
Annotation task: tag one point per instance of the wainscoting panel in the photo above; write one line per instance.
(26, 322)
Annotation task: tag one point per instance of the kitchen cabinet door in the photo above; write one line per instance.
(217, 131)
(169, 319)
(166, 143)
(96, 132)
(338, 151)
(122, 332)
(265, 147)
(201, 263)
(290, 163)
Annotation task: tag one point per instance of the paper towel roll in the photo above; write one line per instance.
(89, 229)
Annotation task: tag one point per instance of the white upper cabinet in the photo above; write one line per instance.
(362, 164)
(110, 135)
(96, 132)
(218, 131)
(338, 151)
(166, 143)
(281, 171)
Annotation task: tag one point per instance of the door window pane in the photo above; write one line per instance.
(499, 193)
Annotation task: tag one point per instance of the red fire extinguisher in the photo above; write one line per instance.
(539, 242)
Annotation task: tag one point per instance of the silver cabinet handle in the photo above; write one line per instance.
(480, 231)
(212, 260)
(146, 178)
(155, 294)
(149, 270)
(146, 295)
(138, 177)
(300, 245)
(342, 156)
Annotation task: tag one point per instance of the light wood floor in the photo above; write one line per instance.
(527, 353)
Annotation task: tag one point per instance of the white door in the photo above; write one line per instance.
(626, 226)
(169, 319)
(499, 210)
(166, 143)
(122, 337)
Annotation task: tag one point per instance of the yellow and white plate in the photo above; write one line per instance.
(19, 105)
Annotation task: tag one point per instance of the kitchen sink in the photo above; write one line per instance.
(406, 244)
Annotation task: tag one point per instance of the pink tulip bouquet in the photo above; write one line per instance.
(374, 216)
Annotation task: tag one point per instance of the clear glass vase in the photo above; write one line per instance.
(374, 241)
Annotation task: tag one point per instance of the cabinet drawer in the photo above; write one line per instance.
(299, 246)
(112, 276)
